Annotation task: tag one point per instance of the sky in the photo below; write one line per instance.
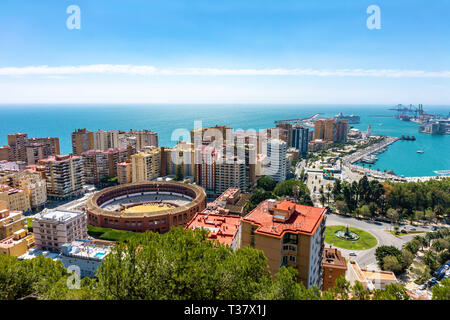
(227, 51)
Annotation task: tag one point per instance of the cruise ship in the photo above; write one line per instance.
(369, 159)
(352, 119)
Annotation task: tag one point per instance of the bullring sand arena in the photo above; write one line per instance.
(154, 206)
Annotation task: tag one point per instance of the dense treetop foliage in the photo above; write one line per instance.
(180, 264)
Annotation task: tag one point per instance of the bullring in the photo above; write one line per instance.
(143, 206)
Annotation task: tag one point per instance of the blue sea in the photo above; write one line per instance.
(61, 120)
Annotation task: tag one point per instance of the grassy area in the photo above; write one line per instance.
(365, 241)
(110, 234)
(400, 234)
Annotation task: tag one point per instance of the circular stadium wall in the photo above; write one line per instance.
(143, 206)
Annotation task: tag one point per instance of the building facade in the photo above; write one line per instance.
(146, 165)
(53, 228)
(300, 139)
(100, 164)
(64, 175)
(223, 228)
(276, 156)
(334, 266)
(289, 234)
(230, 172)
(82, 141)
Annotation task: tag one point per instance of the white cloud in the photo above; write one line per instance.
(145, 70)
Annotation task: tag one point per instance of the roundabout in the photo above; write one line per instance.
(349, 238)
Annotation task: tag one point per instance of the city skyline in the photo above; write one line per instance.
(228, 52)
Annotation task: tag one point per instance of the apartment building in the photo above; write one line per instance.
(331, 130)
(17, 142)
(82, 141)
(16, 199)
(276, 157)
(21, 148)
(51, 142)
(64, 175)
(286, 133)
(289, 234)
(334, 266)
(219, 135)
(180, 155)
(53, 228)
(225, 229)
(17, 244)
(206, 158)
(6, 153)
(147, 165)
(10, 220)
(41, 148)
(124, 172)
(29, 181)
(341, 131)
(229, 172)
(100, 164)
(231, 202)
(300, 139)
(139, 139)
(104, 140)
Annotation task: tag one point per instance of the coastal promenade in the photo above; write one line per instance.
(347, 161)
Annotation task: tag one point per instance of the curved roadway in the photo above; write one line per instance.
(377, 229)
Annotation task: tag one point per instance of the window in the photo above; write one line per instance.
(291, 238)
(288, 247)
(252, 236)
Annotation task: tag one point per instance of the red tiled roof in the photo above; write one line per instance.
(222, 227)
(304, 219)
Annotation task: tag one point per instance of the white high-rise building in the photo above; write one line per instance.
(276, 156)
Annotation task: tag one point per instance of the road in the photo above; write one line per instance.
(367, 257)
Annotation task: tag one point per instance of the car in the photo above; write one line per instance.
(422, 286)
(352, 254)
(413, 229)
(434, 228)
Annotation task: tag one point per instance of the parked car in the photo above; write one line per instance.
(432, 282)
(352, 254)
(422, 286)
(413, 229)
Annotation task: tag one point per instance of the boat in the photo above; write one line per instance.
(419, 151)
(352, 119)
(369, 159)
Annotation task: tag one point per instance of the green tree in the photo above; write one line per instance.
(179, 174)
(392, 263)
(286, 188)
(181, 264)
(383, 251)
(359, 292)
(266, 183)
(441, 291)
(412, 246)
(431, 260)
(392, 291)
(440, 245)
